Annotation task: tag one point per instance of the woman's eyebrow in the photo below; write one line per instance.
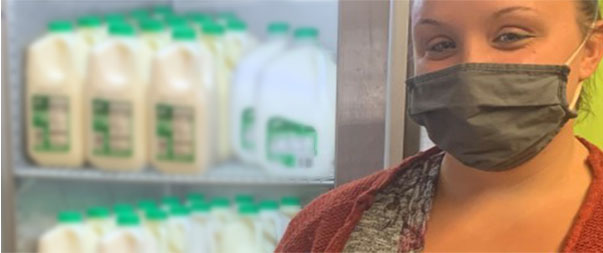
(511, 9)
(428, 21)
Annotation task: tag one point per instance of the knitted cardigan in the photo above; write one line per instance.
(327, 222)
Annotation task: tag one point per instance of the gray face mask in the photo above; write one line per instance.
(492, 116)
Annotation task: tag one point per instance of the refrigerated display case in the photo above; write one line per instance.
(368, 39)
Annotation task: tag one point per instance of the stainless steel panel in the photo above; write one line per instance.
(361, 88)
(8, 191)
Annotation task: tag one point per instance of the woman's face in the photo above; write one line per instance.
(449, 32)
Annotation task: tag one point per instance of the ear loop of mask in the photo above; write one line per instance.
(576, 96)
(578, 91)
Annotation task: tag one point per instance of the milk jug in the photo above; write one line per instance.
(91, 30)
(222, 18)
(290, 207)
(241, 199)
(70, 235)
(155, 224)
(245, 86)
(144, 205)
(243, 234)
(162, 11)
(200, 219)
(136, 15)
(129, 236)
(221, 215)
(99, 221)
(115, 18)
(271, 225)
(115, 103)
(179, 230)
(296, 111)
(168, 201)
(179, 105)
(153, 34)
(238, 42)
(213, 38)
(194, 197)
(197, 20)
(55, 75)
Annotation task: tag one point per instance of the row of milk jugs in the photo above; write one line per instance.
(202, 227)
(120, 101)
(114, 100)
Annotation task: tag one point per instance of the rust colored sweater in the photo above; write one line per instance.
(327, 222)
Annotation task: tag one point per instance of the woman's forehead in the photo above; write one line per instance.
(445, 9)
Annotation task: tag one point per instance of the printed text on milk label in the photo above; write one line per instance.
(175, 131)
(291, 144)
(50, 120)
(247, 121)
(112, 128)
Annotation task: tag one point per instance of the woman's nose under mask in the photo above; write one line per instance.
(492, 116)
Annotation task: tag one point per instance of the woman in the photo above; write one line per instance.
(493, 88)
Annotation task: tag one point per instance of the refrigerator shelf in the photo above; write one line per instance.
(231, 173)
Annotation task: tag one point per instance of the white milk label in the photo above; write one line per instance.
(112, 128)
(247, 126)
(290, 144)
(50, 121)
(175, 132)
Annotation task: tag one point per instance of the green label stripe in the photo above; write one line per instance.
(50, 120)
(247, 126)
(175, 133)
(290, 144)
(112, 126)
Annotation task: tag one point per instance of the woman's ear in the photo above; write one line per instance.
(593, 51)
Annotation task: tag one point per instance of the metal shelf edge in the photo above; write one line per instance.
(211, 177)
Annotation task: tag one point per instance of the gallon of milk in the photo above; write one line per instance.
(99, 221)
(129, 236)
(200, 219)
(271, 225)
(144, 205)
(179, 230)
(156, 224)
(290, 206)
(238, 42)
(174, 21)
(153, 33)
(197, 20)
(296, 111)
(222, 18)
(194, 197)
(91, 30)
(115, 103)
(245, 86)
(179, 105)
(54, 81)
(115, 18)
(136, 15)
(162, 11)
(213, 39)
(221, 215)
(168, 201)
(242, 199)
(243, 234)
(70, 235)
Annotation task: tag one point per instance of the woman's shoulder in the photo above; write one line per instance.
(586, 234)
(328, 219)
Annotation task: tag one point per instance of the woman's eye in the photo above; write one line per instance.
(511, 37)
(442, 46)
